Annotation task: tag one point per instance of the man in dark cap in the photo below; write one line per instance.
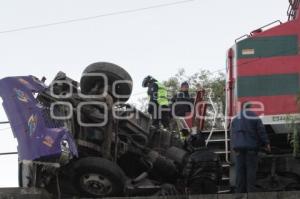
(181, 105)
(182, 102)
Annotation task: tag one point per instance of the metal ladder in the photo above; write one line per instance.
(218, 141)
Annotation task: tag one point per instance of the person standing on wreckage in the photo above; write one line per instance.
(158, 102)
(202, 171)
(182, 104)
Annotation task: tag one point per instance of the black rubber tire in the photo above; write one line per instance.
(113, 73)
(100, 166)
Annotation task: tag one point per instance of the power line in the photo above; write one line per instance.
(95, 17)
(4, 122)
(9, 153)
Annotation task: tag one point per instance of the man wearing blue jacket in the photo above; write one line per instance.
(248, 134)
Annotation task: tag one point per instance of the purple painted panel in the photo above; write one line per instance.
(28, 122)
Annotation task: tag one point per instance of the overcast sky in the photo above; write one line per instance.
(194, 35)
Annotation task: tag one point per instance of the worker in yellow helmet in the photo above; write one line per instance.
(158, 101)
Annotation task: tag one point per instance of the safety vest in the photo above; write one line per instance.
(162, 94)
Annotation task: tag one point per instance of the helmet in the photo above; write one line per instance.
(196, 141)
(147, 80)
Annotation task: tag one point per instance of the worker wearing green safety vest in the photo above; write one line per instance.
(158, 101)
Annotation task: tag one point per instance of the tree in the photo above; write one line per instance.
(202, 79)
(213, 83)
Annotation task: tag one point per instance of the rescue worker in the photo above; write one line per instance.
(185, 102)
(158, 101)
(203, 170)
(181, 105)
(248, 134)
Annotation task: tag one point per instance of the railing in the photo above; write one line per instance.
(258, 30)
(241, 37)
(226, 140)
(213, 127)
(214, 117)
(292, 9)
(7, 153)
(265, 26)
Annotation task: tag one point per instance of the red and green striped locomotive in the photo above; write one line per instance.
(264, 68)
